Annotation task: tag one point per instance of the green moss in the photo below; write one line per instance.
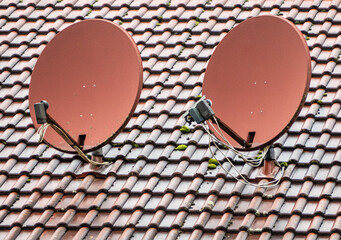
(109, 159)
(28, 180)
(252, 231)
(159, 18)
(181, 51)
(292, 161)
(185, 129)
(181, 147)
(314, 162)
(158, 24)
(284, 164)
(212, 166)
(307, 38)
(210, 204)
(268, 196)
(319, 102)
(94, 3)
(116, 144)
(213, 161)
(224, 147)
(90, 11)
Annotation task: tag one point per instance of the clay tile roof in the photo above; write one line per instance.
(152, 191)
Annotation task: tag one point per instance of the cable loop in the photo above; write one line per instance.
(250, 161)
(42, 131)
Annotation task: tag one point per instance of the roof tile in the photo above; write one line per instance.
(164, 188)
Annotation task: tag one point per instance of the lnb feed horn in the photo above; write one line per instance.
(200, 111)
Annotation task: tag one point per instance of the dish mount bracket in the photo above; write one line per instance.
(43, 117)
(202, 111)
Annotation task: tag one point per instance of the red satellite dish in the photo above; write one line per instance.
(91, 76)
(257, 79)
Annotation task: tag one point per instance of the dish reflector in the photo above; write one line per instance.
(91, 76)
(258, 78)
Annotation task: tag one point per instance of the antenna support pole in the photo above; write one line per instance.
(269, 169)
(269, 161)
(97, 156)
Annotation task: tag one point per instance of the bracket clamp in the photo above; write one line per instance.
(199, 112)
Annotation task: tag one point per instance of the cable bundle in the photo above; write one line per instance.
(42, 130)
(253, 162)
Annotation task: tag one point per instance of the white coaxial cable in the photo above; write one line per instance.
(42, 130)
(243, 179)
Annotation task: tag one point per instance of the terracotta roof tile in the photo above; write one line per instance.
(152, 191)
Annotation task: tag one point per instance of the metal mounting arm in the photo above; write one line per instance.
(43, 117)
(202, 111)
(234, 135)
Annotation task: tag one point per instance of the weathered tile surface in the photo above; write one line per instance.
(152, 191)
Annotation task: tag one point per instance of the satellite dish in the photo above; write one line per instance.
(257, 79)
(90, 76)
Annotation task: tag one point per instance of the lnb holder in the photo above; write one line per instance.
(40, 110)
(43, 117)
(202, 111)
(199, 112)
